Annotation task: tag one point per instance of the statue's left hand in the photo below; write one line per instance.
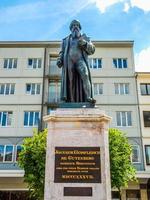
(82, 42)
(59, 62)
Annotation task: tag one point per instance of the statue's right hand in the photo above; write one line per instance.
(59, 63)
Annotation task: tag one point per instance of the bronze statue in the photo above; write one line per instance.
(76, 83)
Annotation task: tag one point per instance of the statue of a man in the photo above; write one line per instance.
(76, 83)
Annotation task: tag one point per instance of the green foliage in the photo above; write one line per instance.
(32, 160)
(122, 170)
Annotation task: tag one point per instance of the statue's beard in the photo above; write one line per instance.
(76, 33)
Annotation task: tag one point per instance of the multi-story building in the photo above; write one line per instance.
(143, 89)
(30, 89)
(21, 84)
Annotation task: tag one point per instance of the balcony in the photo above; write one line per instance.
(52, 99)
(54, 70)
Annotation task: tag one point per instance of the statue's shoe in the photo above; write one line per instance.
(91, 100)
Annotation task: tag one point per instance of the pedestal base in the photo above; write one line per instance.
(77, 160)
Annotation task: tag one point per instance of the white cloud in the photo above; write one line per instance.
(104, 4)
(143, 4)
(126, 7)
(142, 60)
(42, 9)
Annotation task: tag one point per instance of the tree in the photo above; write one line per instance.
(32, 160)
(121, 168)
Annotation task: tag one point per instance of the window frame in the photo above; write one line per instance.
(57, 88)
(116, 194)
(34, 119)
(139, 154)
(33, 62)
(146, 159)
(14, 62)
(15, 154)
(116, 60)
(91, 63)
(135, 192)
(2, 153)
(145, 126)
(126, 118)
(99, 87)
(13, 151)
(31, 87)
(118, 88)
(146, 89)
(7, 118)
(11, 85)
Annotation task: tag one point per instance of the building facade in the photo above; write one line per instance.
(21, 80)
(30, 89)
(143, 89)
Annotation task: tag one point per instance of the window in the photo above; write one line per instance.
(33, 88)
(54, 92)
(115, 195)
(18, 150)
(145, 88)
(54, 70)
(122, 88)
(6, 153)
(9, 152)
(124, 118)
(98, 88)
(7, 88)
(120, 62)
(34, 63)
(146, 116)
(133, 195)
(147, 154)
(1, 153)
(95, 63)
(53, 62)
(31, 118)
(10, 63)
(136, 158)
(5, 118)
(15, 195)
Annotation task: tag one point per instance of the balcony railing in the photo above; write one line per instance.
(54, 70)
(52, 98)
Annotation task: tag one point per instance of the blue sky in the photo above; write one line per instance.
(27, 20)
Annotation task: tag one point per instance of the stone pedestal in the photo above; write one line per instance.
(77, 157)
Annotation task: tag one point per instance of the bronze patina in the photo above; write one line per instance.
(76, 85)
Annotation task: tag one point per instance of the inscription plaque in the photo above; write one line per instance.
(77, 191)
(77, 165)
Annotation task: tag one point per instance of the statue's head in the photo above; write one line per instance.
(75, 24)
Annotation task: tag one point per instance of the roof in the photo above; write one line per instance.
(57, 43)
(142, 74)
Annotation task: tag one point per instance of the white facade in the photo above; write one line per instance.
(18, 86)
(144, 106)
(37, 86)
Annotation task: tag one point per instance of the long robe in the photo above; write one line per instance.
(79, 95)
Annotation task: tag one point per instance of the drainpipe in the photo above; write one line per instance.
(43, 91)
